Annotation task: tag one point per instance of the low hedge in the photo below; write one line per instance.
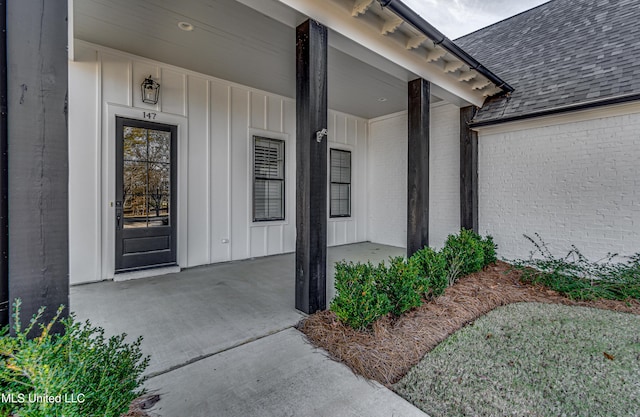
(401, 283)
(467, 252)
(359, 297)
(433, 271)
(365, 292)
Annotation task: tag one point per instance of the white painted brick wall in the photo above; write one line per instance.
(444, 170)
(388, 177)
(573, 182)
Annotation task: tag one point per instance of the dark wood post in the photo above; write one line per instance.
(418, 163)
(38, 155)
(311, 167)
(4, 177)
(468, 172)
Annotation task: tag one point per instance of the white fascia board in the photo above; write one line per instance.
(332, 16)
(70, 32)
(375, 50)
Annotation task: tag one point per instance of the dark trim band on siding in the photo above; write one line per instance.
(411, 17)
(4, 176)
(559, 110)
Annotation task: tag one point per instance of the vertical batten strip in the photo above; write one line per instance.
(229, 178)
(209, 210)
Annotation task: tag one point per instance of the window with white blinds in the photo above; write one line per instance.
(268, 179)
(340, 187)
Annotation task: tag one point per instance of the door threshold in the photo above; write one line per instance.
(146, 273)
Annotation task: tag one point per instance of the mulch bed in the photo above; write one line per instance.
(386, 352)
(139, 406)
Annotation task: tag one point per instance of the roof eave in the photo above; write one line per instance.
(557, 110)
(410, 16)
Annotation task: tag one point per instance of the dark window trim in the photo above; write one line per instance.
(337, 216)
(282, 180)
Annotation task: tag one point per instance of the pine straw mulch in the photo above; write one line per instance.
(393, 346)
(139, 406)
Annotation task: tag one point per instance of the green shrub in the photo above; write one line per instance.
(402, 285)
(365, 292)
(359, 301)
(464, 253)
(577, 277)
(489, 250)
(102, 376)
(432, 271)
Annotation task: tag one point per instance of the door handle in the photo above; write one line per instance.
(118, 214)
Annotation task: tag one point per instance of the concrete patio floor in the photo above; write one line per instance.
(222, 342)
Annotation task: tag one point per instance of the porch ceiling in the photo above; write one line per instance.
(237, 43)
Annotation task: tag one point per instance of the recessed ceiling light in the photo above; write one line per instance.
(186, 26)
(382, 99)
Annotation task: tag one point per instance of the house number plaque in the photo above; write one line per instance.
(149, 115)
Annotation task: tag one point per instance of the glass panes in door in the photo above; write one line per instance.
(146, 177)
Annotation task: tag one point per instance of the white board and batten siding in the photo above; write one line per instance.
(350, 134)
(573, 178)
(216, 121)
(388, 176)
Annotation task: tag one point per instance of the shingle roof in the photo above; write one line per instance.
(562, 53)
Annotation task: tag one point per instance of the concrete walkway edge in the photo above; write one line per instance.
(279, 375)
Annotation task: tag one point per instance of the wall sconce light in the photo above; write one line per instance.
(150, 91)
(320, 134)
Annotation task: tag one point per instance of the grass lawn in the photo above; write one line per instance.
(533, 359)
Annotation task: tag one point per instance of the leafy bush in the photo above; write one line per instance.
(489, 250)
(401, 283)
(432, 271)
(579, 278)
(365, 292)
(359, 301)
(86, 374)
(464, 253)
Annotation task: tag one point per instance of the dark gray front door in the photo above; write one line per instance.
(145, 194)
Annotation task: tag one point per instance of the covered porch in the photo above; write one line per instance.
(254, 95)
(280, 126)
(297, 127)
(202, 311)
(222, 341)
